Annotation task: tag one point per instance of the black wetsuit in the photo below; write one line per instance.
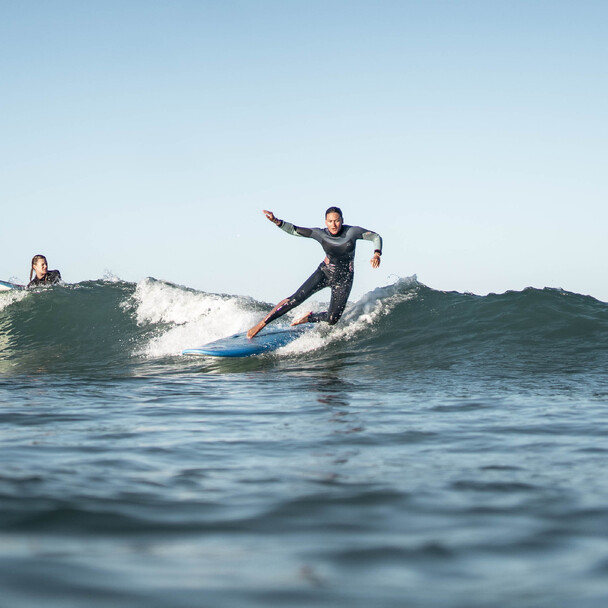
(338, 273)
(52, 276)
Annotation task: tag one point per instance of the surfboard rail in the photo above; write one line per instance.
(8, 286)
(239, 345)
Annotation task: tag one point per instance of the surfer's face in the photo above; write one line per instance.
(333, 221)
(40, 268)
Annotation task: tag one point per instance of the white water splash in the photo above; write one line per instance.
(10, 296)
(357, 318)
(190, 318)
(187, 318)
(110, 277)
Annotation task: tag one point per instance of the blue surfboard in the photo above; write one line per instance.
(6, 286)
(239, 345)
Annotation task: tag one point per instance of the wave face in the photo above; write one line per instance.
(403, 327)
(428, 436)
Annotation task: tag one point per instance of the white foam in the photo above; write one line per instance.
(381, 301)
(193, 318)
(110, 277)
(357, 317)
(11, 296)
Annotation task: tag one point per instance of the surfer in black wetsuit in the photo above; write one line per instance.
(336, 270)
(44, 276)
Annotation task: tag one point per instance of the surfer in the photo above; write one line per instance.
(44, 276)
(336, 270)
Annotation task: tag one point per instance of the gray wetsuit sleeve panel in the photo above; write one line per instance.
(376, 239)
(295, 230)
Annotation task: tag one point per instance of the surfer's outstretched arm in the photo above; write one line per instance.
(376, 239)
(288, 226)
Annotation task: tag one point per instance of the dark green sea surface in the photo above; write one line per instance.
(433, 450)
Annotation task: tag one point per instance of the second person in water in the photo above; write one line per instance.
(335, 271)
(44, 276)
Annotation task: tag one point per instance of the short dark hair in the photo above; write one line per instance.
(334, 210)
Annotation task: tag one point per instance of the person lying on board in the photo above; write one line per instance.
(335, 271)
(44, 276)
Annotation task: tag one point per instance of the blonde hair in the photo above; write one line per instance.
(34, 260)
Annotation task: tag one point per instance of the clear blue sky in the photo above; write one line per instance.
(145, 137)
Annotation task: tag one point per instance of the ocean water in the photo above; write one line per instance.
(434, 449)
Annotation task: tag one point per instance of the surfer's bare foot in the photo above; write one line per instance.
(304, 319)
(256, 329)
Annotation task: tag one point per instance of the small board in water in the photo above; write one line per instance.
(239, 345)
(6, 286)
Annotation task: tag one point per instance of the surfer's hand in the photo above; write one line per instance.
(270, 215)
(375, 261)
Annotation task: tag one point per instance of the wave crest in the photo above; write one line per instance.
(99, 324)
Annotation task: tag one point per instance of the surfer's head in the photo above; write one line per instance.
(39, 266)
(335, 210)
(334, 220)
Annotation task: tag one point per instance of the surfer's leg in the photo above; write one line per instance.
(304, 319)
(340, 290)
(275, 313)
(315, 281)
